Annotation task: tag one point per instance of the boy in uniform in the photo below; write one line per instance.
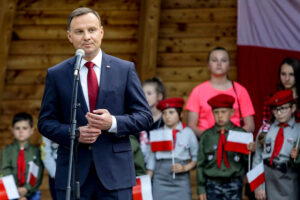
(16, 157)
(220, 173)
(275, 150)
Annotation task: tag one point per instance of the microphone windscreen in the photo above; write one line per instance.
(80, 52)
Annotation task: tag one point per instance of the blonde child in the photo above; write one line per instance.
(154, 91)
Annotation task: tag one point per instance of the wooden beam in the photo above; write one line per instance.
(171, 4)
(148, 36)
(63, 47)
(196, 15)
(184, 73)
(52, 32)
(72, 4)
(59, 17)
(38, 61)
(6, 23)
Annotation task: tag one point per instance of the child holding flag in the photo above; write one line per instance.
(174, 151)
(220, 173)
(281, 178)
(20, 157)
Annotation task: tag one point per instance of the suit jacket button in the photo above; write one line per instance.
(90, 147)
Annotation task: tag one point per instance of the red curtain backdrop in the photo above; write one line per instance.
(268, 32)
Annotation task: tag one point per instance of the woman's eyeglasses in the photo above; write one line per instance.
(282, 109)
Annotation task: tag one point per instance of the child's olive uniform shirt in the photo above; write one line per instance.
(207, 158)
(9, 165)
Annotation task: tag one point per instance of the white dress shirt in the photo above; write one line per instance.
(83, 81)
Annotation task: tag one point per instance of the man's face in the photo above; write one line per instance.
(22, 130)
(222, 116)
(86, 33)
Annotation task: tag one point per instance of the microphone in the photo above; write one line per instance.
(79, 54)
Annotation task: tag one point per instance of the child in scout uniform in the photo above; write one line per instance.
(275, 151)
(16, 157)
(166, 186)
(220, 173)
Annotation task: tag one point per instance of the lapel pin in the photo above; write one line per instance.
(107, 66)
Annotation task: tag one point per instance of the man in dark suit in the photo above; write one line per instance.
(112, 105)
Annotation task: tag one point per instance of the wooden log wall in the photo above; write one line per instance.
(188, 30)
(179, 32)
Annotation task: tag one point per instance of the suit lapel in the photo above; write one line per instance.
(80, 96)
(104, 79)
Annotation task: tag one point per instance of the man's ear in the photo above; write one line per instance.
(69, 37)
(102, 32)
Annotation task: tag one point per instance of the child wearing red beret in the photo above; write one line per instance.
(219, 172)
(174, 141)
(278, 151)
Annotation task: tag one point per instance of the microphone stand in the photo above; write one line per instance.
(74, 135)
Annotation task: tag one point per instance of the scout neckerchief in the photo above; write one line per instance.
(221, 145)
(174, 132)
(278, 141)
(21, 167)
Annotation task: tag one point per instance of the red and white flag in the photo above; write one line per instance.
(8, 188)
(161, 140)
(142, 190)
(32, 173)
(237, 141)
(256, 176)
(268, 32)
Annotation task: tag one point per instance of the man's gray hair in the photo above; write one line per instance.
(82, 11)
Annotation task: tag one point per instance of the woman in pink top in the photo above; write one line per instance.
(200, 116)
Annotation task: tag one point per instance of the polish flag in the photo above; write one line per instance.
(268, 32)
(161, 140)
(142, 190)
(32, 173)
(237, 141)
(256, 176)
(8, 188)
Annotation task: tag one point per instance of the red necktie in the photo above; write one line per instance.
(21, 167)
(278, 141)
(174, 132)
(92, 85)
(221, 145)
